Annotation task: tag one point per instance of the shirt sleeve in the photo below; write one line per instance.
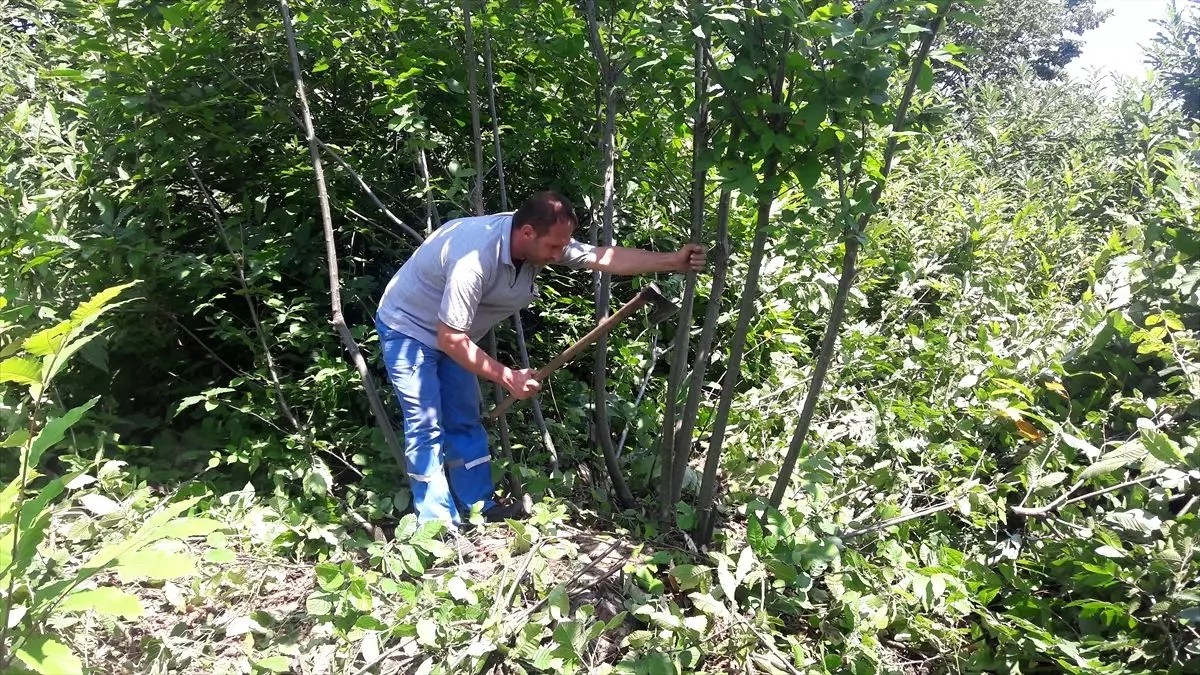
(576, 255)
(460, 300)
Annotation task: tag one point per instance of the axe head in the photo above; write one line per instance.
(660, 306)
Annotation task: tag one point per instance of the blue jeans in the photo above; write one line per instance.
(445, 444)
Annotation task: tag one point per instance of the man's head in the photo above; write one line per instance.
(542, 228)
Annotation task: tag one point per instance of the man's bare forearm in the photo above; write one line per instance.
(460, 347)
(633, 261)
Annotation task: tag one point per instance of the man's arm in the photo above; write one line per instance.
(460, 347)
(633, 261)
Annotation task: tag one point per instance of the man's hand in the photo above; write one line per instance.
(521, 383)
(690, 258)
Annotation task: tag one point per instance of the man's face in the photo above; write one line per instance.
(549, 247)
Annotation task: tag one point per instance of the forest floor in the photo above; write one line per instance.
(243, 609)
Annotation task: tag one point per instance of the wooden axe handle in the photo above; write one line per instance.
(583, 343)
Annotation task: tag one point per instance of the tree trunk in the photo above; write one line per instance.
(700, 370)
(478, 208)
(431, 215)
(849, 259)
(733, 371)
(672, 456)
(335, 287)
(522, 351)
(602, 280)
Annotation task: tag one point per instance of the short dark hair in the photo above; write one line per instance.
(544, 210)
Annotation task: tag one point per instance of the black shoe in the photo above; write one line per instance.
(518, 510)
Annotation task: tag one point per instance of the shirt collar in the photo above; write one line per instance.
(506, 242)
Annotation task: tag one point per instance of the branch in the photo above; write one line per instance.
(538, 417)
(637, 401)
(342, 162)
(240, 264)
(335, 298)
(1046, 510)
(849, 262)
(1038, 512)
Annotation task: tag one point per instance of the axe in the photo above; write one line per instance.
(649, 295)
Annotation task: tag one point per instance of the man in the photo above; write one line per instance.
(468, 276)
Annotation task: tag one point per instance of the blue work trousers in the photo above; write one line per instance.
(445, 444)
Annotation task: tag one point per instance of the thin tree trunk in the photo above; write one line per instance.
(522, 351)
(335, 296)
(477, 205)
(691, 409)
(473, 93)
(240, 266)
(849, 260)
(733, 370)
(603, 289)
(432, 221)
(674, 457)
(637, 400)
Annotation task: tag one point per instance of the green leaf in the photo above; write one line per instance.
(560, 605)
(106, 600)
(1051, 479)
(925, 79)
(276, 664)
(1081, 445)
(1115, 459)
(47, 656)
(48, 341)
(154, 564)
(89, 311)
(329, 576)
(8, 497)
(16, 439)
(754, 534)
(182, 528)
(318, 480)
(745, 565)
(318, 605)
(21, 370)
(1163, 448)
(67, 73)
(219, 556)
(171, 13)
(51, 367)
(706, 603)
(1110, 552)
(692, 576)
(55, 430)
(427, 632)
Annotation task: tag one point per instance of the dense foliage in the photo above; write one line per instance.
(1002, 470)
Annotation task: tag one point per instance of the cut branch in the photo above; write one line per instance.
(335, 295)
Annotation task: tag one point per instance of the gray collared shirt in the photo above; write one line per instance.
(463, 275)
